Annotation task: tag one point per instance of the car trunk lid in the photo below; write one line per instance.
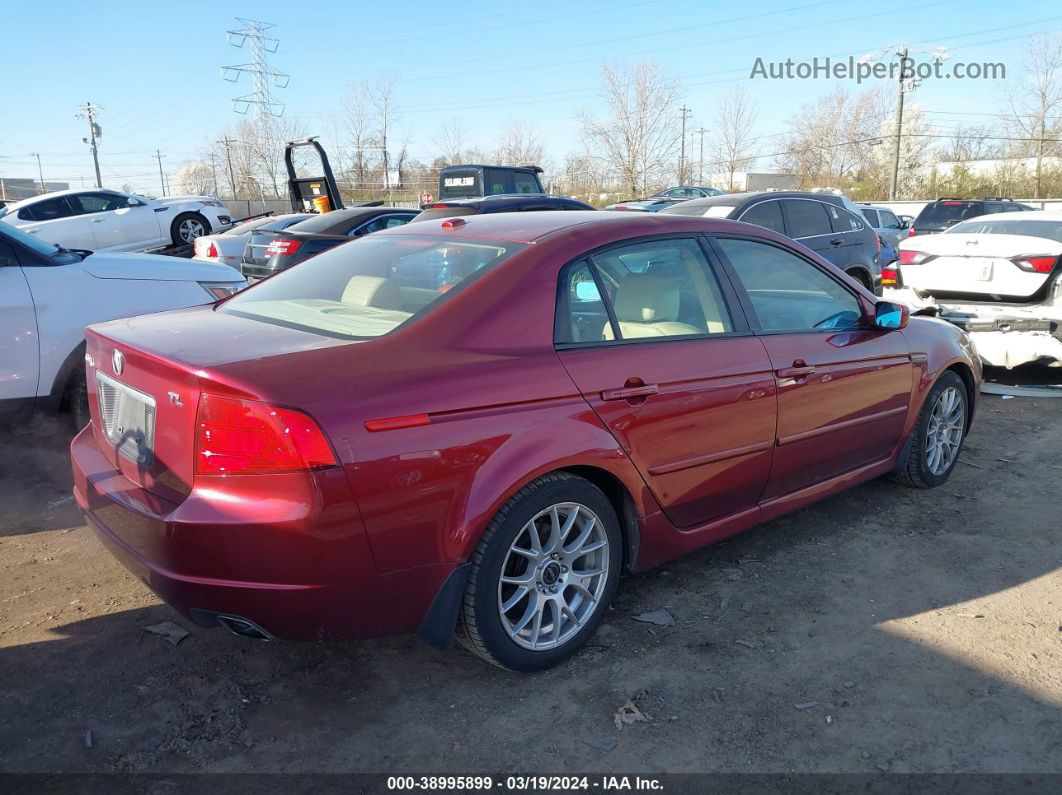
(979, 265)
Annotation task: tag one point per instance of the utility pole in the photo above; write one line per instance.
(902, 55)
(162, 179)
(1039, 154)
(41, 173)
(682, 157)
(214, 171)
(700, 160)
(88, 111)
(228, 157)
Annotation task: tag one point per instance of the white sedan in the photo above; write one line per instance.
(49, 294)
(999, 277)
(107, 220)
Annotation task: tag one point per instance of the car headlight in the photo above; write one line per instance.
(219, 290)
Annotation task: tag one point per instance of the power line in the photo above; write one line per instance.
(262, 44)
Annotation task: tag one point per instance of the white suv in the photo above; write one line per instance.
(48, 294)
(106, 220)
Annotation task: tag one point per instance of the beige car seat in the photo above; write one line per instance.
(647, 305)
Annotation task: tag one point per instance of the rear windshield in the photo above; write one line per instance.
(1052, 230)
(321, 223)
(945, 213)
(700, 209)
(369, 286)
(459, 184)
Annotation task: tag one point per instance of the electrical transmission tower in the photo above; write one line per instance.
(262, 45)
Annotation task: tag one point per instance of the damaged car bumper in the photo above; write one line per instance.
(1005, 335)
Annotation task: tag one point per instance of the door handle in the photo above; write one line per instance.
(630, 392)
(800, 369)
(97, 220)
(836, 241)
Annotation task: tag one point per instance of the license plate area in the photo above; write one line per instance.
(127, 417)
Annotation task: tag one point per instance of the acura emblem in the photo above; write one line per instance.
(117, 361)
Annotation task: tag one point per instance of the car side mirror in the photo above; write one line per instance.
(889, 316)
(133, 202)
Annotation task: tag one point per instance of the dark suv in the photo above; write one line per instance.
(945, 212)
(819, 220)
(498, 204)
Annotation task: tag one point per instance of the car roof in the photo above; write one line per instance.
(1026, 215)
(536, 169)
(530, 227)
(870, 206)
(339, 217)
(55, 194)
(510, 198)
(736, 199)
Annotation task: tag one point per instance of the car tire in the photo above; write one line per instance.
(947, 405)
(75, 403)
(186, 227)
(524, 627)
(861, 276)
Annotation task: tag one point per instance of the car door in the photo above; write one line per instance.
(660, 350)
(807, 222)
(116, 224)
(844, 386)
(19, 344)
(57, 221)
(890, 227)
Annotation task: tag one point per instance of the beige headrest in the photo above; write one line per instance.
(647, 298)
(372, 291)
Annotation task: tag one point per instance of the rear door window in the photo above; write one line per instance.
(765, 214)
(870, 215)
(47, 210)
(889, 220)
(806, 218)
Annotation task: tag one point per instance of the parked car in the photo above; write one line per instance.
(819, 220)
(228, 246)
(498, 204)
(885, 222)
(946, 212)
(269, 251)
(997, 276)
(349, 451)
(475, 181)
(687, 192)
(51, 293)
(644, 205)
(108, 220)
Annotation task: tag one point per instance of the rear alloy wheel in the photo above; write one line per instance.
(187, 227)
(939, 434)
(542, 575)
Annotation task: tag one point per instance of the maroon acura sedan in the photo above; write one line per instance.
(473, 426)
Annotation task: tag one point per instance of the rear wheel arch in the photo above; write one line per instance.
(860, 274)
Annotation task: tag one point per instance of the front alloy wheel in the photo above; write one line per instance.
(938, 436)
(189, 229)
(542, 575)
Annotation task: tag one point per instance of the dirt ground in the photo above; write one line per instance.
(887, 629)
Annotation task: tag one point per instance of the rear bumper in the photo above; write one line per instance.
(302, 571)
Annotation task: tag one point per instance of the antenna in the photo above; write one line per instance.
(262, 44)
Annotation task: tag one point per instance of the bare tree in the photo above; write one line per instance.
(639, 136)
(382, 102)
(358, 133)
(520, 144)
(195, 178)
(1037, 100)
(451, 140)
(970, 142)
(268, 135)
(735, 118)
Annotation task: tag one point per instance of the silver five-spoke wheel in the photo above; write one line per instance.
(189, 229)
(553, 576)
(944, 431)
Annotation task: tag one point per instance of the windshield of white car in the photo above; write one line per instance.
(370, 286)
(1051, 230)
(60, 255)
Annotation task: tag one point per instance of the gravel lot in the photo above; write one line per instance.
(887, 629)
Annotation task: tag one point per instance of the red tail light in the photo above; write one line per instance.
(245, 437)
(213, 250)
(911, 232)
(282, 247)
(910, 257)
(888, 277)
(1035, 264)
